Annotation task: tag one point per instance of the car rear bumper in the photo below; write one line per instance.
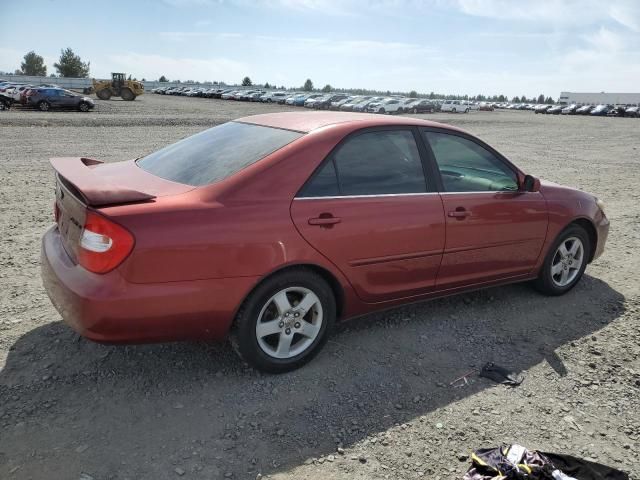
(109, 309)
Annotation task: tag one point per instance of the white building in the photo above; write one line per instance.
(598, 98)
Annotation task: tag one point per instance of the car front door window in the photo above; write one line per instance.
(466, 166)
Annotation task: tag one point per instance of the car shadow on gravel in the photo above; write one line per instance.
(192, 409)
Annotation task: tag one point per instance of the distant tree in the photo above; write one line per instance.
(143, 80)
(71, 65)
(129, 77)
(163, 79)
(33, 64)
(266, 85)
(413, 94)
(549, 100)
(327, 88)
(432, 95)
(540, 98)
(515, 100)
(53, 75)
(308, 85)
(18, 72)
(246, 82)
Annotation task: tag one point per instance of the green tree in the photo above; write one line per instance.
(515, 100)
(163, 79)
(549, 100)
(308, 85)
(33, 64)
(540, 98)
(266, 85)
(246, 82)
(327, 88)
(413, 94)
(71, 65)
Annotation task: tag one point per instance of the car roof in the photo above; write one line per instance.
(308, 121)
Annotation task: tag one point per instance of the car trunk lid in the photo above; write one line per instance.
(83, 183)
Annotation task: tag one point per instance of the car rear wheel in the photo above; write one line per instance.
(453, 110)
(44, 106)
(381, 110)
(466, 110)
(83, 107)
(565, 263)
(285, 321)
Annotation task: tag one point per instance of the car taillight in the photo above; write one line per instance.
(104, 244)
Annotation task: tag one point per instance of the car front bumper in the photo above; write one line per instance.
(602, 228)
(109, 309)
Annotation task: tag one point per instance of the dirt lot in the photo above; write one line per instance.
(377, 402)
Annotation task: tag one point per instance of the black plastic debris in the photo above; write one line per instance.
(501, 375)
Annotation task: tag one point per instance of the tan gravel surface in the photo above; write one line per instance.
(377, 402)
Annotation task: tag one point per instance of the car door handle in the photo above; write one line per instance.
(323, 220)
(459, 213)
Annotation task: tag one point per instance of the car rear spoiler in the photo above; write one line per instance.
(96, 190)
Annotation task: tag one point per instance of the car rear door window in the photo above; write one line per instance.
(466, 166)
(373, 163)
(216, 153)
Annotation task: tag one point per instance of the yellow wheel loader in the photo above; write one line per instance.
(119, 86)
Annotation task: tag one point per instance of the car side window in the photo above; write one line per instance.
(324, 183)
(466, 166)
(372, 163)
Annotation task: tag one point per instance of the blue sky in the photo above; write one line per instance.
(512, 47)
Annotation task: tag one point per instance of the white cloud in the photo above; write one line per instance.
(560, 13)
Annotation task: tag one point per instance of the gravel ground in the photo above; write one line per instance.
(378, 401)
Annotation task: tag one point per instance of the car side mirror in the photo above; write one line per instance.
(530, 184)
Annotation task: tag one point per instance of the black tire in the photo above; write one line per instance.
(545, 283)
(127, 95)
(466, 111)
(244, 337)
(83, 107)
(44, 106)
(453, 110)
(382, 111)
(104, 94)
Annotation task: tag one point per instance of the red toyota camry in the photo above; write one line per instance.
(272, 227)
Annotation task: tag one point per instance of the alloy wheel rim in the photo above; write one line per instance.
(289, 322)
(567, 261)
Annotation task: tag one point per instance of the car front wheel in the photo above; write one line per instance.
(83, 107)
(44, 106)
(565, 263)
(285, 322)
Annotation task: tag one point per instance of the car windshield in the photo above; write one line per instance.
(216, 153)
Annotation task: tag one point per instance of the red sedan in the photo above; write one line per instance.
(272, 227)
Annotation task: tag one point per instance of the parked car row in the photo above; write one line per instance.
(330, 101)
(43, 97)
(593, 110)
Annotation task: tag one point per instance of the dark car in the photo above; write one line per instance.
(617, 111)
(47, 98)
(601, 110)
(585, 110)
(569, 110)
(420, 106)
(325, 102)
(274, 227)
(632, 112)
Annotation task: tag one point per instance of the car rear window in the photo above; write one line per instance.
(216, 153)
